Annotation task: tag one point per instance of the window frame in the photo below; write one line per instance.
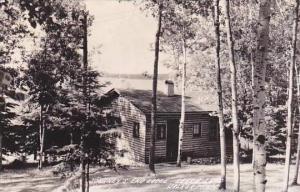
(136, 130)
(157, 131)
(199, 128)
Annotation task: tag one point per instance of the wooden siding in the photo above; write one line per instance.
(200, 146)
(129, 114)
(192, 146)
(195, 147)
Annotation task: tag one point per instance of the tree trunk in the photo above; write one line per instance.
(252, 18)
(154, 92)
(1, 137)
(83, 174)
(42, 137)
(236, 131)
(295, 178)
(259, 96)
(253, 130)
(88, 176)
(220, 97)
(182, 115)
(290, 101)
(82, 131)
(71, 135)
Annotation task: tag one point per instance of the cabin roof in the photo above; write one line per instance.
(165, 104)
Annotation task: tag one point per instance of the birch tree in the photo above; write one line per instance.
(182, 115)
(236, 131)
(290, 100)
(216, 12)
(185, 33)
(179, 39)
(296, 173)
(259, 95)
(43, 111)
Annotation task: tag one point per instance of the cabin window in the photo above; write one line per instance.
(213, 130)
(161, 131)
(122, 103)
(136, 130)
(197, 130)
(128, 108)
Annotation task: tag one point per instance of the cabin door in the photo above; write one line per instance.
(172, 139)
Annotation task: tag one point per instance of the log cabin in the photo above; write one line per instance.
(201, 130)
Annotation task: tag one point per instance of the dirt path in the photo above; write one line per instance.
(189, 178)
(28, 181)
(169, 178)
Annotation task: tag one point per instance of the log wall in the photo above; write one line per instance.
(129, 115)
(196, 147)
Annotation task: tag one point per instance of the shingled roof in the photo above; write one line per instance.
(165, 104)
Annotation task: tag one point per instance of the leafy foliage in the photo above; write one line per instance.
(53, 80)
(201, 69)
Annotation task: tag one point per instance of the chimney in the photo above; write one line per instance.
(169, 88)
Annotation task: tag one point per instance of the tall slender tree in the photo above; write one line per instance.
(182, 115)
(44, 106)
(41, 81)
(179, 38)
(154, 89)
(290, 100)
(216, 19)
(235, 122)
(183, 84)
(84, 79)
(61, 40)
(251, 15)
(296, 173)
(42, 130)
(259, 95)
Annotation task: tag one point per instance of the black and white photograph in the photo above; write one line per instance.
(149, 96)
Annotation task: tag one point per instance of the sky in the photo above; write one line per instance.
(125, 35)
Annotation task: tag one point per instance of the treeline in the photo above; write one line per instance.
(246, 52)
(62, 115)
